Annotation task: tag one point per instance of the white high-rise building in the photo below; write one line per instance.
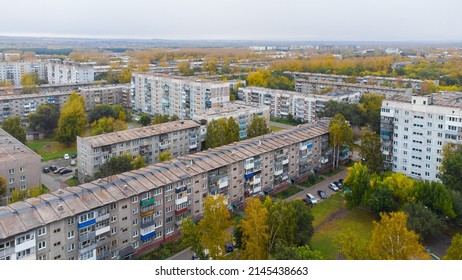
(13, 71)
(414, 130)
(70, 72)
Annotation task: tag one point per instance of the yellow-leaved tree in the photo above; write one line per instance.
(255, 231)
(72, 120)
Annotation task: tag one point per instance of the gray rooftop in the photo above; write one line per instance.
(446, 99)
(13, 149)
(35, 212)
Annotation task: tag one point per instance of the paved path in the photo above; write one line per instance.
(53, 181)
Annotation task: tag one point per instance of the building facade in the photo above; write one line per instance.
(182, 96)
(300, 106)
(180, 138)
(132, 213)
(19, 165)
(70, 72)
(316, 87)
(14, 71)
(415, 129)
(241, 112)
(110, 94)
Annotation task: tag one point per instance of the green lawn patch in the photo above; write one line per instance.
(48, 148)
(288, 192)
(312, 180)
(332, 173)
(284, 121)
(275, 128)
(331, 219)
(165, 251)
(72, 182)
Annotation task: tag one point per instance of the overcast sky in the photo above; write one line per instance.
(332, 20)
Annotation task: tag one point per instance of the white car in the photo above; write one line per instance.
(311, 199)
(73, 162)
(333, 187)
(66, 156)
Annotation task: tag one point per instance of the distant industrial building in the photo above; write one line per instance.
(182, 96)
(241, 112)
(19, 165)
(180, 138)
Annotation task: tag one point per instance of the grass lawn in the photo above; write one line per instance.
(48, 148)
(288, 192)
(275, 128)
(72, 182)
(332, 219)
(312, 181)
(283, 121)
(331, 173)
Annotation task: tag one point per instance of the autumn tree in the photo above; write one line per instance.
(358, 182)
(340, 134)
(401, 185)
(45, 118)
(185, 68)
(370, 105)
(281, 222)
(451, 167)
(213, 227)
(290, 252)
(125, 76)
(232, 131)
(257, 127)
(72, 120)
(163, 118)
(454, 251)
(392, 240)
(29, 83)
(3, 191)
(258, 78)
(191, 236)
(255, 236)
(352, 246)
(138, 162)
(12, 126)
(371, 152)
(145, 119)
(165, 156)
(107, 125)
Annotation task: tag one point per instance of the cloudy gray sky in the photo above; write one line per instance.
(363, 20)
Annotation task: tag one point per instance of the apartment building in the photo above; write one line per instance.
(14, 71)
(47, 88)
(414, 130)
(241, 112)
(134, 212)
(19, 165)
(182, 96)
(300, 106)
(315, 87)
(22, 105)
(415, 84)
(179, 137)
(70, 72)
(110, 94)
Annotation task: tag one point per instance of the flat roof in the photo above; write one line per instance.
(13, 149)
(447, 99)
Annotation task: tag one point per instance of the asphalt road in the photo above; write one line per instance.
(53, 181)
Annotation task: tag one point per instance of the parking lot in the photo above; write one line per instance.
(56, 181)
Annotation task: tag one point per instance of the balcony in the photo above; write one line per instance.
(249, 165)
(257, 189)
(278, 172)
(147, 224)
(103, 230)
(164, 145)
(148, 235)
(181, 200)
(181, 211)
(102, 217)
(147, 202)
(285, 161)
(223, 182)
(181, 189)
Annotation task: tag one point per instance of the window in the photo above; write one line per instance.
(113, 219)
(169, 230)
(134, 199)
(135, 222)
(113, 206)
(135, 210)
(157, 191)
(21, 169)
(70, 234)
(11, 171)
(169, 198)
(113, 230)
(11, 181)
(70, 221)
(23, 187)
(25, 238)
(25, 253)
(42, 245)
(135, 233)
(70, 247)
(41, 231)
(86, 217)
(57, 243)
(124, 207)
(168, 188)
(22, 178)
(169, 209)
(145, 196)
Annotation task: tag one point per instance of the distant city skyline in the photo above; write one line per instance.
(328, 20)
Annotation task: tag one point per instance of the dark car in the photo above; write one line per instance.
(229, 248)
(322, 194)
(53, 167)
(46, 169)
(65, 171)
(73, 155)
(339, 184)
(341, 180)
(58, 171)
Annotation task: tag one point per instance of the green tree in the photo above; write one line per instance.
(257, 127)
(72, 120)
(121, 113)
(289, 252)
(29, 82)
(115, 165)
(340, 134)
(303, 223)
(145, 119)
(165, 156)
(358, 182)
(185, 68)
(100, 111)
(352, 246)
(191, 236)
(436, 196)
(12, 125)
(402, 186)
(160, 119)
(107, 125)
(381, 199)
(392, 240)
(232, 131)
(422, 220)
(255, 236)
(3, 191)
(370, 105)
(281, 222)
(46, 117)
(371, 152)
(138, 162)
(213, 227)
(215, 131)
(454, 251)
(451, 166)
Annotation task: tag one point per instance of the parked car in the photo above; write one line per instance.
(333, 187)
(195, 257)
(338, 184)
(229, 248)
(53, 168)
(66, 156)
(310, 199)
(46, 169)
(322, 194)
(59, 170)
(341, 181)
(74, 156)
(65, 171)
(73, 162)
